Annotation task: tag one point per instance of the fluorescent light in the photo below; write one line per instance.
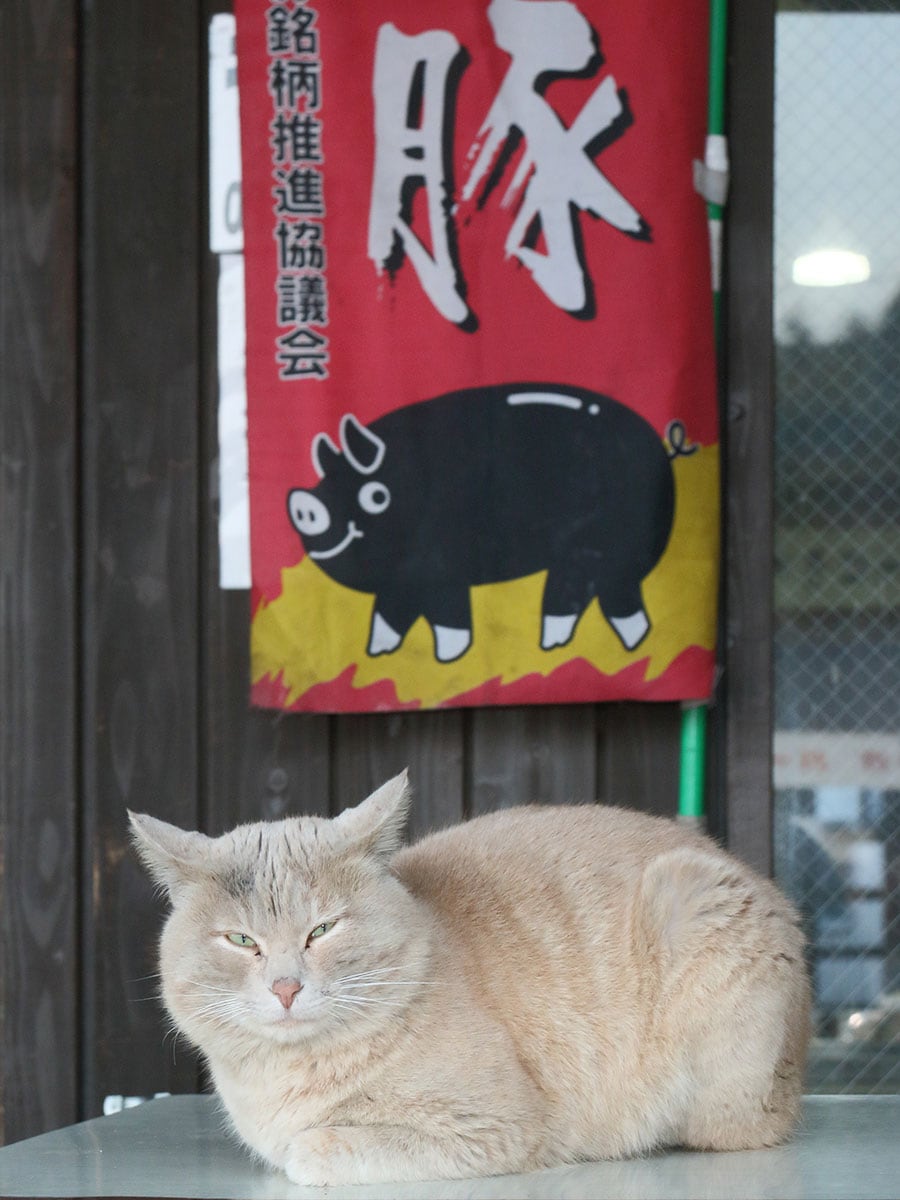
(830, 268)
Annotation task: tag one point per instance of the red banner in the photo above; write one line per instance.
(481, 387)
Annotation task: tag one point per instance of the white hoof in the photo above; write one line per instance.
(631, 630)
(383, 639)
(451, 643)
(557, 631)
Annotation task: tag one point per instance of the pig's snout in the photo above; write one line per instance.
(309, 515)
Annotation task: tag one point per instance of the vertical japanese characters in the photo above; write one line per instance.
(297, 157)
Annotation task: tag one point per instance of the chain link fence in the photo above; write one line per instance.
(837, 542)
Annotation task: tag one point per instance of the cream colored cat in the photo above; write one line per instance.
(534, 987)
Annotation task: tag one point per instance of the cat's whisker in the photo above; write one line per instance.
(223, 1009)
(209, 987)
(367, 1001)
(348, 1005)
(369, 974)
(145, 978)
(220, 1003)
(394, 983)
(174, 1032)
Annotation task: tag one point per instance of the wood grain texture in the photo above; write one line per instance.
(532, 755)
(142, 188)
(258, 765)
(371, 748)
(38, 503)
(639, 756)
(748, 438)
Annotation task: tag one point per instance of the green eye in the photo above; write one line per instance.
(320, 930)
(241, 939)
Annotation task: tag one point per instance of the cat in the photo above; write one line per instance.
(533, 987)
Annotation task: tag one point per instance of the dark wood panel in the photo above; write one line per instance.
(38, 1087)
(141, 194)
(370, 749)
(532, 755)
(258, 765)
(747, 435)
(639, 755)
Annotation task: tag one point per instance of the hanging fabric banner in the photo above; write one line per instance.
(483, 447)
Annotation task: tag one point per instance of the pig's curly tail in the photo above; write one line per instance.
(679, 446)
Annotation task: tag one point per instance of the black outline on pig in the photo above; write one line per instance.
(485, 485)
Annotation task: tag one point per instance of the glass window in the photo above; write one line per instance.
(837, 519)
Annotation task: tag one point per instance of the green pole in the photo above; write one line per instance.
(692, 774)
(693, 762)
(718, 24)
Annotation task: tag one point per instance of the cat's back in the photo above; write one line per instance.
(509, 882)
(596, 936)
(517, 851)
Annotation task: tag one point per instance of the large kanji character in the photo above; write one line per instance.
(557, 170)
(413, 79)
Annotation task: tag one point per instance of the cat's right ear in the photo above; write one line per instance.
(171, 855)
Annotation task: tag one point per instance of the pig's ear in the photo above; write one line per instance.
(324, 454)
(363, 449)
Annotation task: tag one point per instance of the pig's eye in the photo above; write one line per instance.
(308, 514)
(374, 497)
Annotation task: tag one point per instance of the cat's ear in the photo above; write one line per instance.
(171, 855)
(377, 825)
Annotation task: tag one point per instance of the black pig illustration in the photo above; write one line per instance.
(485, 485)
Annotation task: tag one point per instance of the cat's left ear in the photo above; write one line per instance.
(171, 855)
(377, 825)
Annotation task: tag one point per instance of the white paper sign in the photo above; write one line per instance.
(226, 233)
(234, 495)
(226, 239)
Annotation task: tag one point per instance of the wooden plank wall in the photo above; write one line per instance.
(745, 777)
(140, 459)
(124, 668)
(38, 566)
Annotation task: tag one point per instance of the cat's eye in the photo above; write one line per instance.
(241, 939)
(319, 931)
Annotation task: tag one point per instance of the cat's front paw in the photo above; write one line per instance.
(319, 1157)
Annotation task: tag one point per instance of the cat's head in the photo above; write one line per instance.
(287, 930)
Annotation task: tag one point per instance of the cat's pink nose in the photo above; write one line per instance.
(286, 990)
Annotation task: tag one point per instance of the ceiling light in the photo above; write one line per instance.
(830, 268)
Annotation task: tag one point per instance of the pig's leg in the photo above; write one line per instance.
(563, 604)
(623, 607)
(383, 638)
(631, 629)
(450, 643)
(557, 631)
(391, 620)
(450, 617)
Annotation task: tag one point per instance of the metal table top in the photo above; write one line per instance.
(848, 1148)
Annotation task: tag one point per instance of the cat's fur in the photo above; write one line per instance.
(534, 987)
